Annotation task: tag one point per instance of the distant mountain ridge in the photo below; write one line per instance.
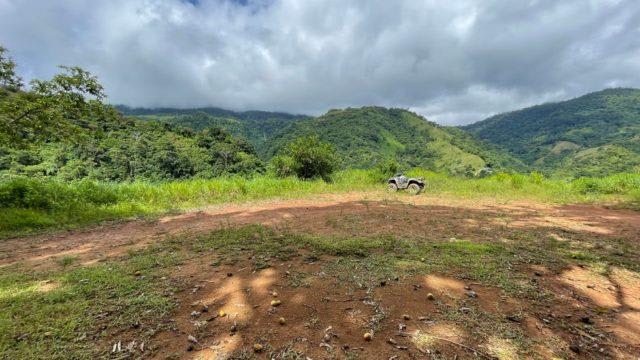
(595, 134)
(214, 111)
(592, 135)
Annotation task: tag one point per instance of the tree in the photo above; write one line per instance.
(307, 158)
(9, 81)
(50, 109)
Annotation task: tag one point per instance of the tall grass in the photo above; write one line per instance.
(31, 205)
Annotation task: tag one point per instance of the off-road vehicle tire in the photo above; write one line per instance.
(392, 187)
(414, 189)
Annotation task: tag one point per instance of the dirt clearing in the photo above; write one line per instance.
(423, 277)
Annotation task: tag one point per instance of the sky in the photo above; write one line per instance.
(455, 62)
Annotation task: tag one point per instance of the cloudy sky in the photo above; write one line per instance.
(453, 61)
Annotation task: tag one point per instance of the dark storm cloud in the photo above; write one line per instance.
(454, 62)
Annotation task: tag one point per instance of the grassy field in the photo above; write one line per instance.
(32, 205)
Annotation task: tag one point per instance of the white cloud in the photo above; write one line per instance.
(454, 62)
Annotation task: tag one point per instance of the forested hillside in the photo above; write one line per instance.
(257, 127)
(369, 135)
(596, 134)
(127, 149)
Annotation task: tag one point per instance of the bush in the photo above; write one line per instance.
(384, 170)
(281, 166)
(307, 158)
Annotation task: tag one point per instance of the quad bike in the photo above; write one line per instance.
(400, 182)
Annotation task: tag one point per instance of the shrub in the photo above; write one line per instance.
(307, 158)
(281, 166)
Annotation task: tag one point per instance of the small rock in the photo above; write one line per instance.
(234, 327)
(575, 348)
(257, 347)
(430, 297)
(406, 317)
(275, 303)
(274, 294)
(48, 334)
(192, 339)
(367, 336)
(229, 274)
(137, 273)
(221, 313)
(472, 294)
(467, 287)
(591, 286)
(204, 309)
(392, 342)
(282, 321)
(586, 320)
(465, 310)
(326, 337)
(537, 273)
(383, 283)
(195, 313)
(514, 318)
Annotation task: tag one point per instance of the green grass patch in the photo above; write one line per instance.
(63, 314)
(34, 205)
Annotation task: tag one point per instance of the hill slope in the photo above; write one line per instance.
(257, 127)
(595, 134)
(118, 148)
(368, 135)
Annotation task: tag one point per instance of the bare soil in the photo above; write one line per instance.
(325, 318)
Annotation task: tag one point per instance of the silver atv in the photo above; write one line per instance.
(400, 182)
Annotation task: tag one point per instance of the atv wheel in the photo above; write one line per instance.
(414, 189)
(392, 187)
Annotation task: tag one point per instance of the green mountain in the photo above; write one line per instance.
(595, 134)
(257, 127)
(366, 136)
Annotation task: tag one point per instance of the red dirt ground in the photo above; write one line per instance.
(325, 320)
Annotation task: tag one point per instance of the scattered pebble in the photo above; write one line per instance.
(221, 313)
(406, 317)
(229, 274)
(586, 320)
(282, 321)
(257, 347)
(275, 303)
(392, 342)
(192, 339)
(472, 294)
(465, 310)
(195, 313)
(430, 297)
(367, 336)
